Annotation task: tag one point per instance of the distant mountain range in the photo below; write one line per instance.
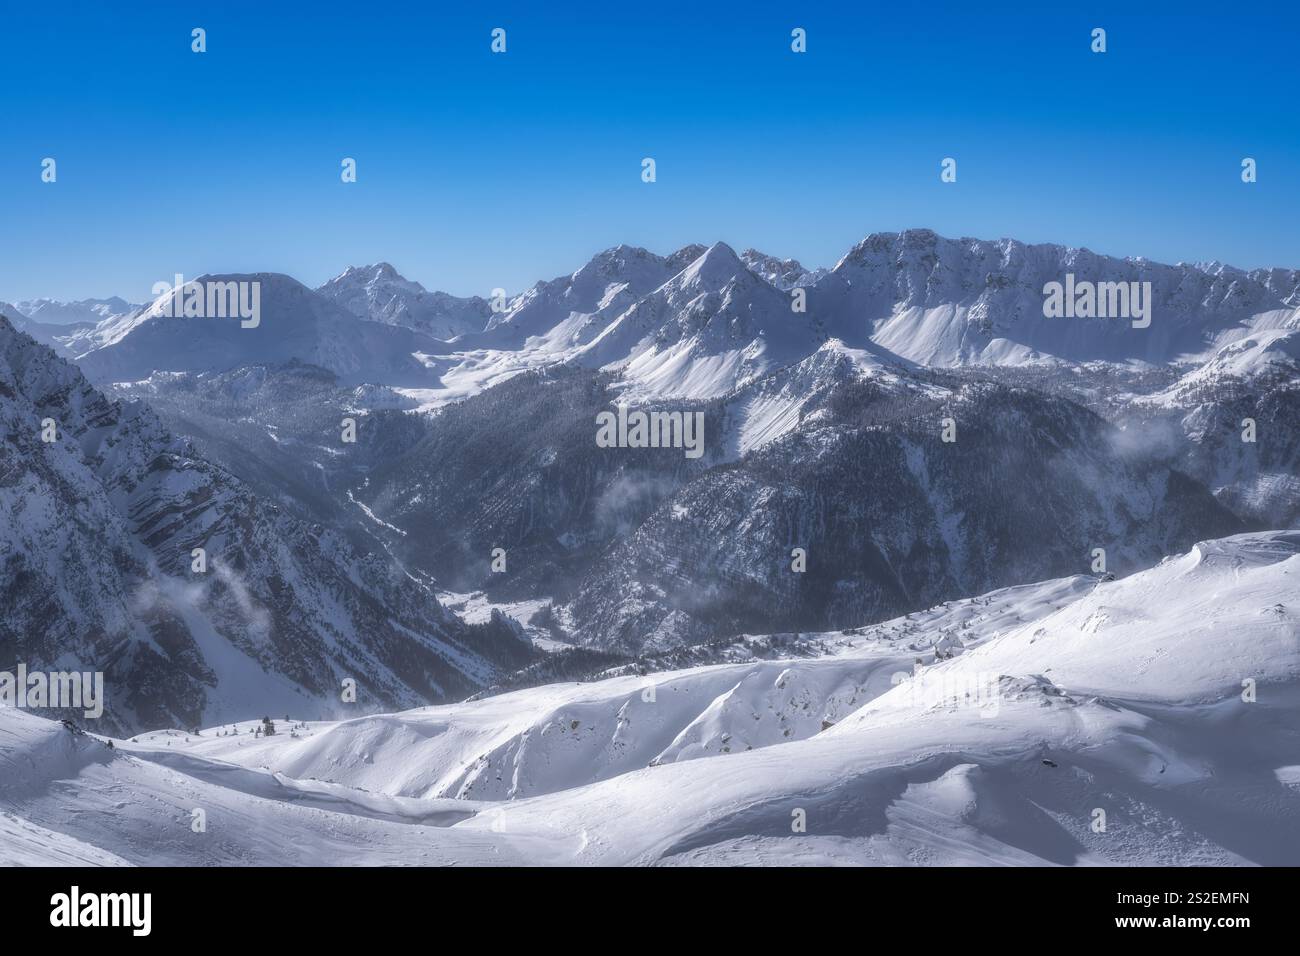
(825, 395)
(699, 322)
(91, 311)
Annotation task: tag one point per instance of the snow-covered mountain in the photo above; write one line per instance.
(785, 274)
(712, 327)
(517, 467)
(294, 323)
(612, 281)
(703, 321)
(841, 454)
(377, 292)
(694, 325)
(970, 301)
(550, 324)
(790, 397)
(97, 572)
(1061, 699)
(1233, 422)
(890, 516)
(58, 337)
(85, 311)
(1258, 361)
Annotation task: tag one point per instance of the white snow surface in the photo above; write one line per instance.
(1168, 699)
(1262, 356)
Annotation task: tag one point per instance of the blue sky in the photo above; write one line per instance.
(478, 170)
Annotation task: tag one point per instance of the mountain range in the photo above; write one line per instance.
(702, 321)
(908, 419)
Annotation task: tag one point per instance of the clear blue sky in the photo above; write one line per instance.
(477, 170)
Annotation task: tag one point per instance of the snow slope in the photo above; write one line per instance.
(554, 738)
(1257, 359)
(1131, 691)
(1061, 700)
(763, 410)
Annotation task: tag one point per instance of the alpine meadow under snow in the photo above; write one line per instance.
(951, 580)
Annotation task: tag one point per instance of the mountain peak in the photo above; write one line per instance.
(716, 264)
(379, 293)
(375, 272)
(615, 261)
